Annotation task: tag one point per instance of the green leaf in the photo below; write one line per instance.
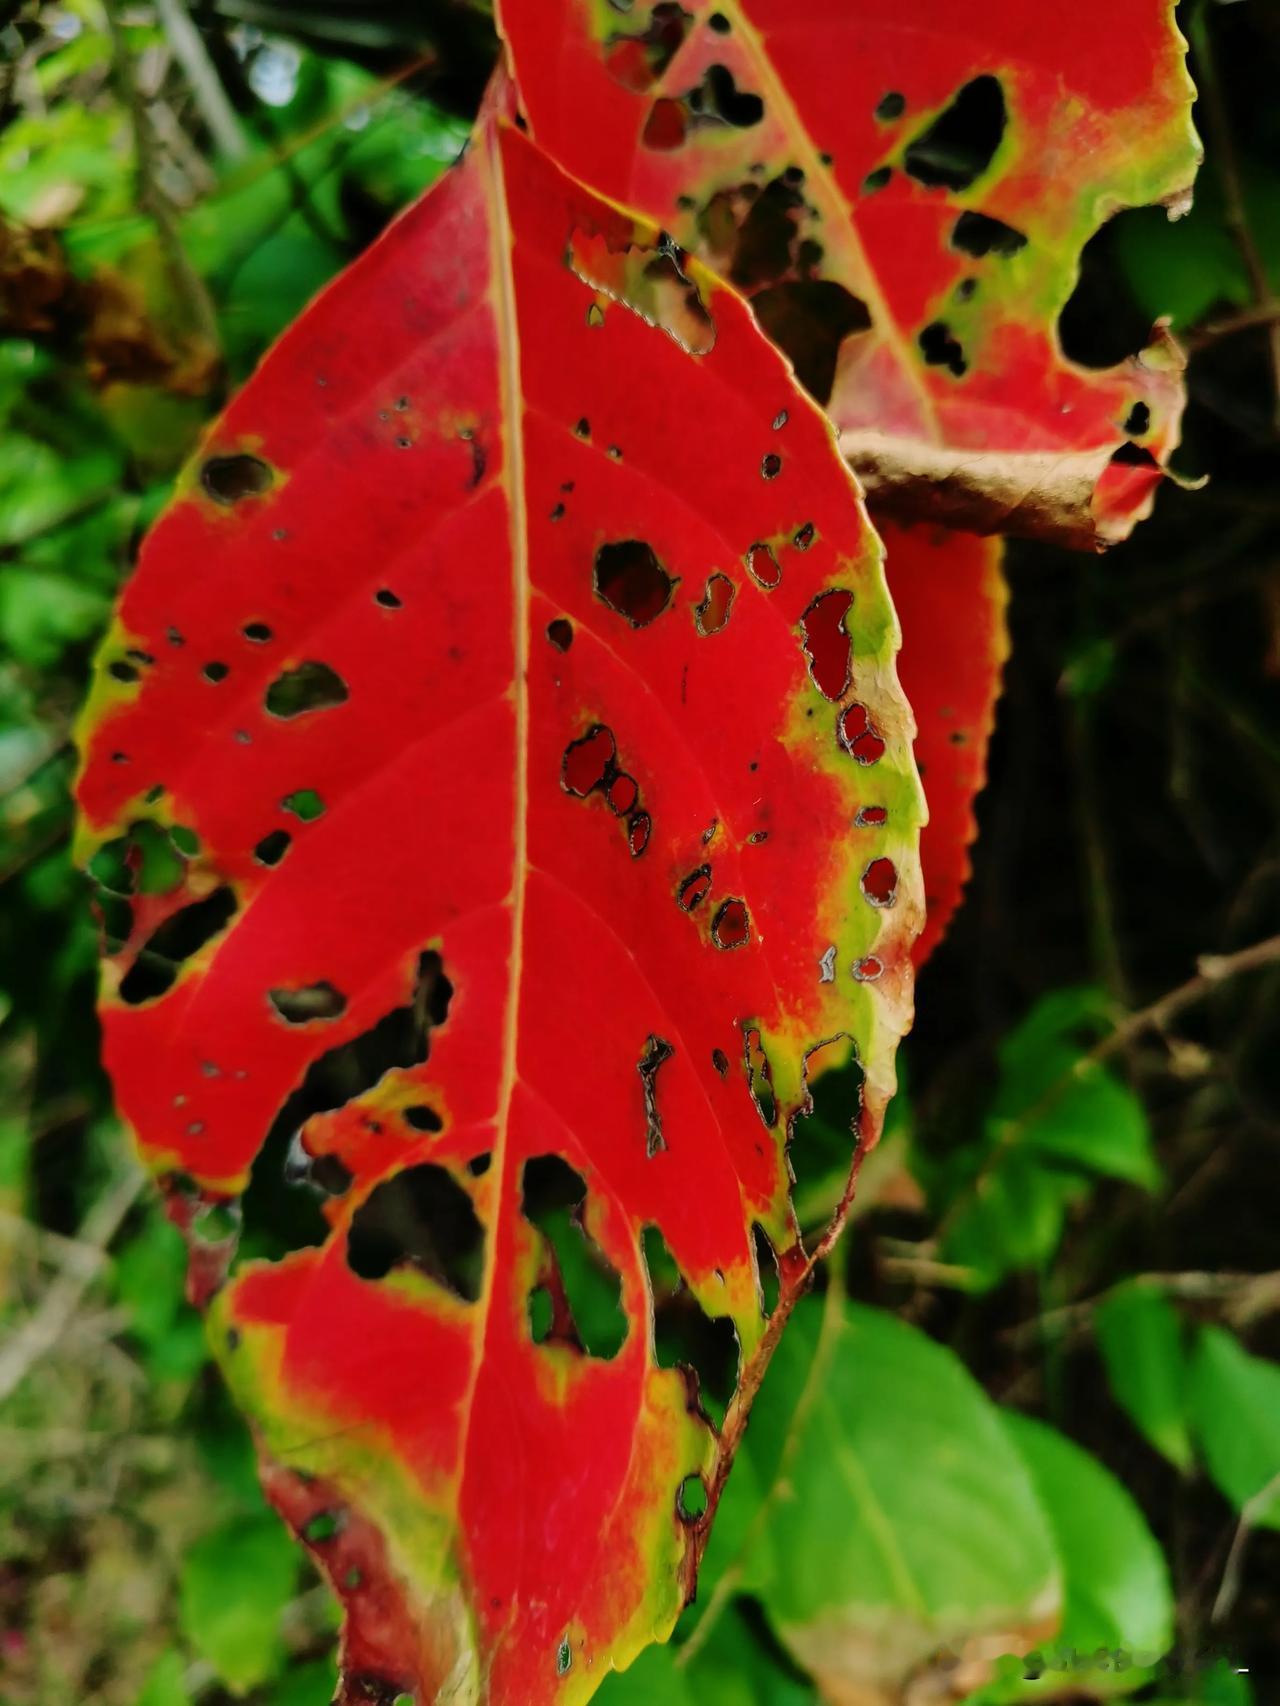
(165, 1685)
(305, 1685)
(1235, 1407)
(1140, 1337)
(1057, 1122)
(1118, 1594)
(878, 1508)
(235, 1584)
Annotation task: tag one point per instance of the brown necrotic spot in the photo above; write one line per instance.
(560, 633)
(957, 147)
(720, 1060)
(859, 735)
(694, 888)
(228, 479)
(589, 761)
(809, 319)
(656, 1051)
(826, 642)
(731, 926)
(182, 934)
(880, 882)
(629, 578)
(301, 1004)
(311, 686)
(421, 1218)
(711, 614)
(978, 234)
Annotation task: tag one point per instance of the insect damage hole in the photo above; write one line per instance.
(859, 735)
(763, 566)
(308, 1001)
(657, 1050)
(731, 926)
(703, 1347)
(311, 686)
(692, 1499)
(584, 1289)
(693, 889)
(978, 234)
(183, 934)
(827, 642)
(228, 479)
(958, 146)
(712, 613)
(420, 1218)
(880, 882)
(560, 633)
(809, 319)
(589, 762)
(629, 578)
(759, 1075)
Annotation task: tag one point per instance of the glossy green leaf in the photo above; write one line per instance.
(235, 1584)
(1140, 1337)
(165, 1684)
(1059, 1119)
(879, 1509)
(1118, 1595)
(1235, 1407)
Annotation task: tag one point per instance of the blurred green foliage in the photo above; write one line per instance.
(1034, 1452)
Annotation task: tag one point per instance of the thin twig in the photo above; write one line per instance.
(151, 197)
(41, 1330)
(1250, 1514)
(201, 73)
(1235, 212)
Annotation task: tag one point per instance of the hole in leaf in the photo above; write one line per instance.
(273, 847)
(631, 580)
(867, 969)
(311, 686)
(638, 60)
(768, 1277)
(821, 1141)
(876, 179)
(257, 632)
(827, 643)
(870, 817)
(978, 234)
(941, 349)
(731, 926)
(770, 465)
(216, 672)
(304, 803)
(228, 479)
(958, 146)
(656, 1051)
(560, 633)
(589, 762)
(692, 1499)
(585, 1289)
(479, 1165)
(809, 319)
(763, 567)
(720, 1060)
(325, 1173)
(859, 735)
(421, 1218)
(420, 1117)
(703, 1347)
(639, 828)
(694, 888)
(622, 794)
(804, 536)
(759, 1076)
(387, 599)
(880, 882)
(183, 934)
(712, 613)
(890, 106)
(1138, 420)
(307, 1002)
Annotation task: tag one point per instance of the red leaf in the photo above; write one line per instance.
(904, 190)
(471, 852)
(950, 596)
